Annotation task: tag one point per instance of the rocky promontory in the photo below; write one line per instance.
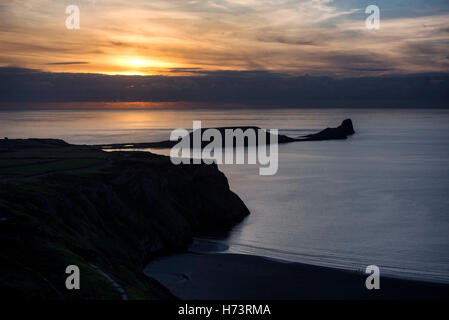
(344, 130)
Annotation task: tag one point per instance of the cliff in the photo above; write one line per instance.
(66, 205)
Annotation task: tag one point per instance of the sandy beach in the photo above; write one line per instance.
(193, 276)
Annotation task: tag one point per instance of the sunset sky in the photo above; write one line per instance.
(180, 36)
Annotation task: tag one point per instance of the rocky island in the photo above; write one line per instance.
(339, 133)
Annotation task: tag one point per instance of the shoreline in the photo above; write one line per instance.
(230, 276)
(216, 245)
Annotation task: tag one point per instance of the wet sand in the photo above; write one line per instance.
(193, 276)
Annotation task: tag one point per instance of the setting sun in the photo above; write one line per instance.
(143, 63)
(130, 65)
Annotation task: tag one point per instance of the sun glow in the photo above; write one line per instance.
(132, 65)
(140, 63)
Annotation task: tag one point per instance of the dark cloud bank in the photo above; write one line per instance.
(252, 88)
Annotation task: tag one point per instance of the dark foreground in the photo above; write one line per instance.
(107, 213)
(193, 276)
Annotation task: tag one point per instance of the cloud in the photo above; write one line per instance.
(66, 63)
(218, 88)
(309, 36)
(283, 38)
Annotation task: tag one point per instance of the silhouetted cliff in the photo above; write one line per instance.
(69, 205)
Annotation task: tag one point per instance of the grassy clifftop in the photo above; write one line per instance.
(63, 205)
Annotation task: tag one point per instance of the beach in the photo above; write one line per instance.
(205, 276)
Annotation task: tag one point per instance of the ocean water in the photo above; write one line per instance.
(380, 197)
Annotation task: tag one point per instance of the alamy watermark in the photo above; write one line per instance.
(72, 22)
(226, 146)
(373, 20)
(73, 280)
(373, 280)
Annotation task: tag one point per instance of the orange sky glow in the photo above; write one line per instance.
(173, 37)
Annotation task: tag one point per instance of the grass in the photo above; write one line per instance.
(42, 168)
(47, 225)
(29, 162)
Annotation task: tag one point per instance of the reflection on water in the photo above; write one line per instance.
(379, 197)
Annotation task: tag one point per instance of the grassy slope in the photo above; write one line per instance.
(62, 205)
(33, 264)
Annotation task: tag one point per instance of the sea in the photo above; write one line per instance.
(381, 197)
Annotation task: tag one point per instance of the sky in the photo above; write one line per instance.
(182, 37)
